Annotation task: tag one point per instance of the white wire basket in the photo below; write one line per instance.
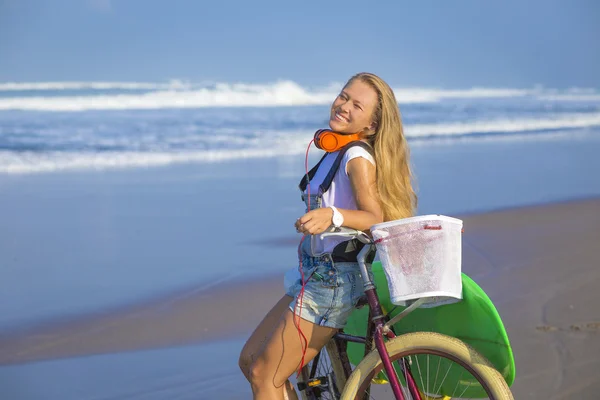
(421, 257)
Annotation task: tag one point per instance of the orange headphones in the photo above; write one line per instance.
(330, 141)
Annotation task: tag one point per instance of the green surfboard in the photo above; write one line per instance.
(474, 320)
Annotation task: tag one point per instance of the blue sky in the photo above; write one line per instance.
(448, 44)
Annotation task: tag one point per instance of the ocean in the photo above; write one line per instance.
(49, 127)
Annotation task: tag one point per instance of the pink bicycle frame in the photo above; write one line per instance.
(377, 324)
(377, 328)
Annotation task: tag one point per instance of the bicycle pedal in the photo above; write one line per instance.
(315, 382)
(426, 397)
(380, 381)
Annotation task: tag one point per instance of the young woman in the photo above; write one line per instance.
(372, 184)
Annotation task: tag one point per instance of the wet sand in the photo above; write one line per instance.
(540, 265)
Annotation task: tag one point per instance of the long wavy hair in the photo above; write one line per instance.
(394, 175)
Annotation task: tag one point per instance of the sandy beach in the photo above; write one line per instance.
(538, 264)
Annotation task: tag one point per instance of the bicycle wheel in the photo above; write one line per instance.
(442, 367)
(324, 377)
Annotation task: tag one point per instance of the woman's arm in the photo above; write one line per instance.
(362, 179)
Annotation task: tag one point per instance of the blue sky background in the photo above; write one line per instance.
(450, 44)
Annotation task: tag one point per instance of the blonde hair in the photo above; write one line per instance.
(394, 176)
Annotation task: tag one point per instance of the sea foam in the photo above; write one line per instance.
(180, 94)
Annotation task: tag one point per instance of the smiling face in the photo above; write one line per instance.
(352, 110)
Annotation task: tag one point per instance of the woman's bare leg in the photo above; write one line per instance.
(282, 354)
(289, 393)
(261, 334)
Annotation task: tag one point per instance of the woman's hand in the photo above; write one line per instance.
(315, 221)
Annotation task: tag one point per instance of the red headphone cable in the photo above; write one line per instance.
(303, 340)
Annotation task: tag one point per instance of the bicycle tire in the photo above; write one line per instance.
(332, 365)
(429, 343)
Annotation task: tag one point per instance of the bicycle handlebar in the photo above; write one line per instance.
(349, 233)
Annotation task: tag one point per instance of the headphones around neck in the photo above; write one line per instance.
(330, 141)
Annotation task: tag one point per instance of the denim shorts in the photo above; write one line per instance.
(331, 291)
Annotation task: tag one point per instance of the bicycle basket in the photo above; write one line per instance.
(421, 258)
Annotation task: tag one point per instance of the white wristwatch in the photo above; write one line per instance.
(338, 218)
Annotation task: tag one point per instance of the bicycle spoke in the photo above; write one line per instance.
(436, 375)
(445, 376)
(404, 390)
(427, 374)
(463, 392)
(457, 382)
(419, 368)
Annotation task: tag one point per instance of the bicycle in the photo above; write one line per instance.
(408, 364)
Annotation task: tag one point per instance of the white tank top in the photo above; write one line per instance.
(339, 194)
